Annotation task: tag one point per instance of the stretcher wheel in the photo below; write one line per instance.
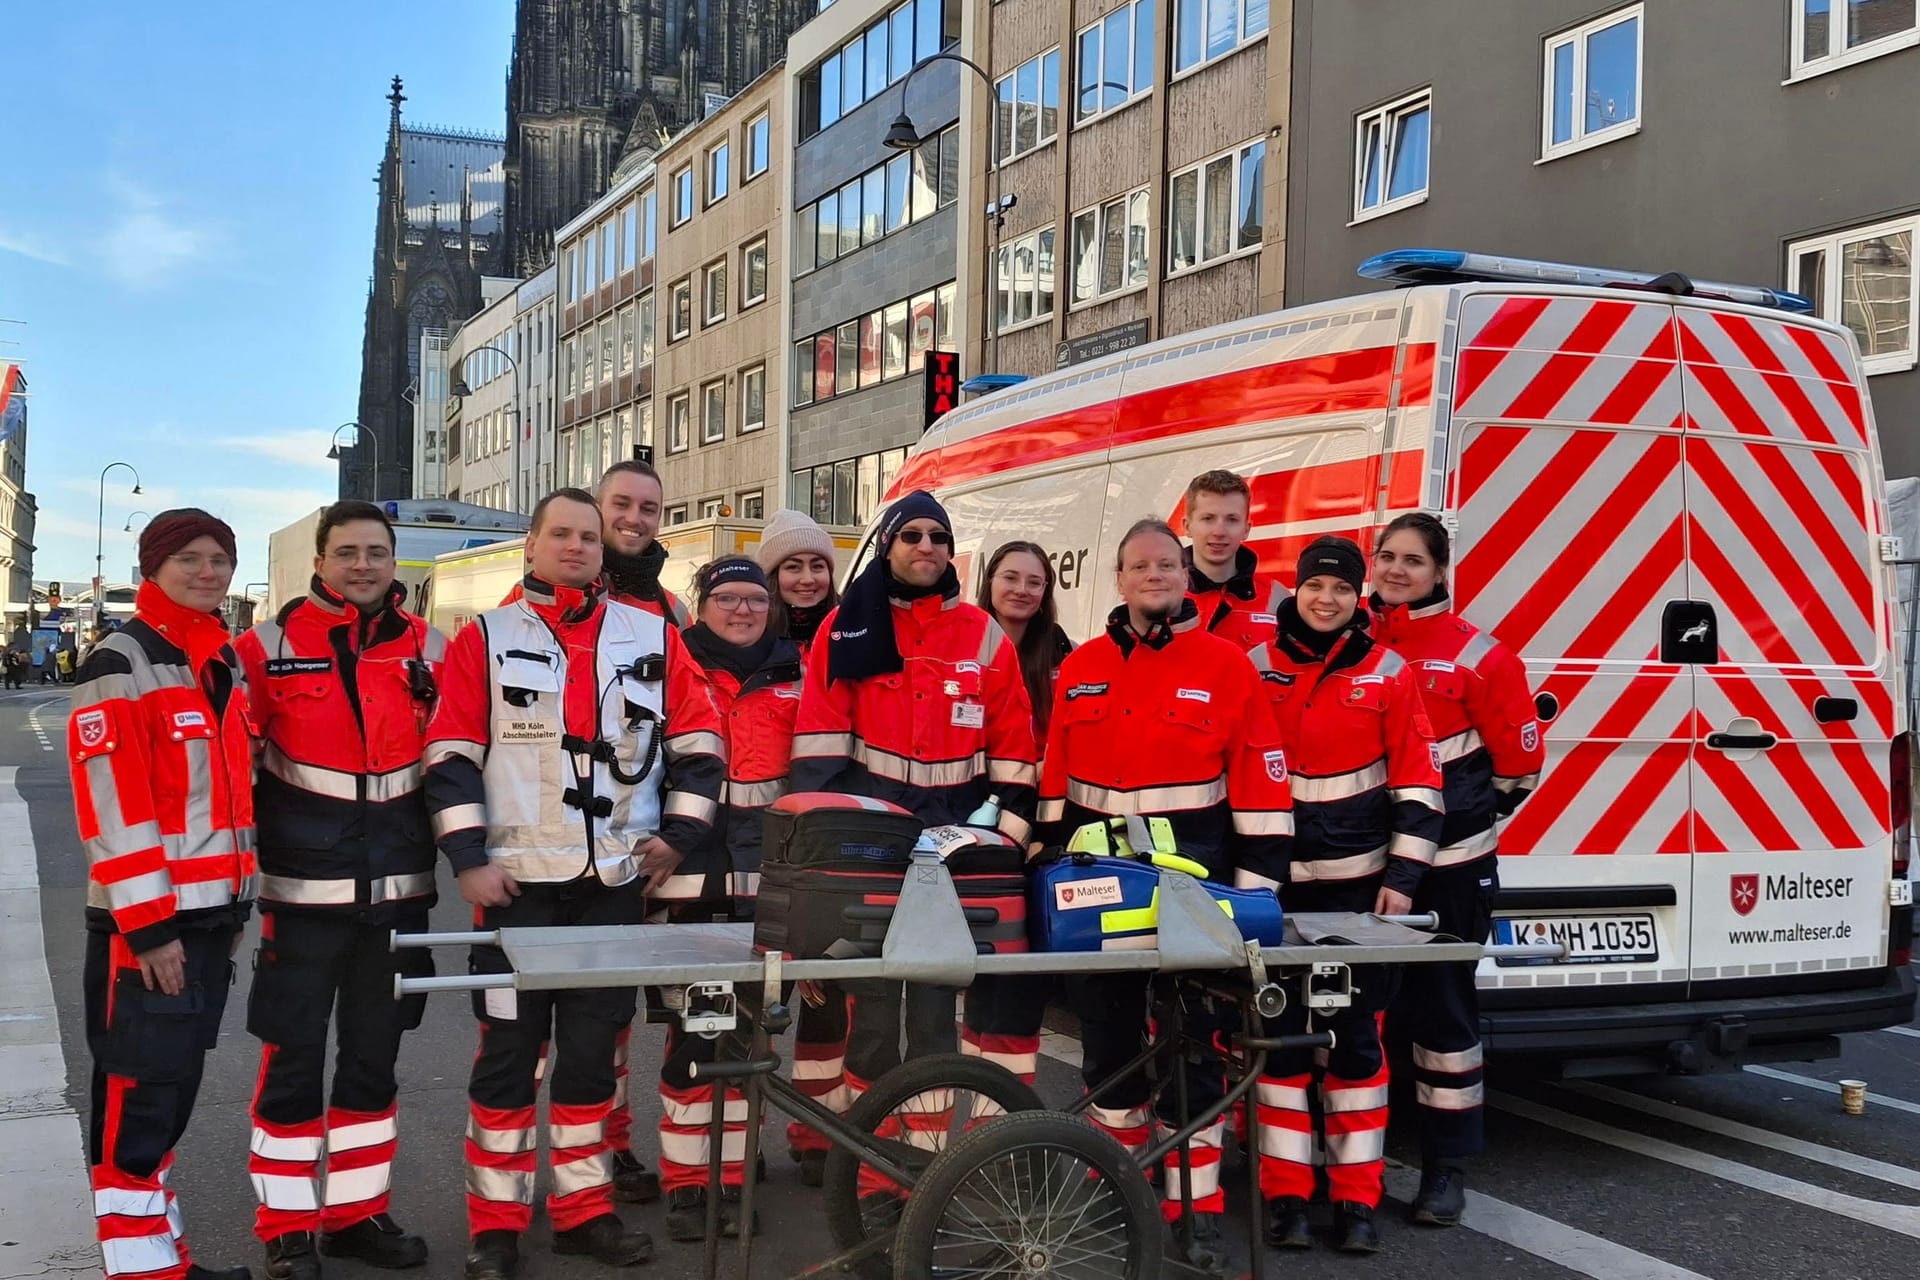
(913, 1113)
(1039, 1194)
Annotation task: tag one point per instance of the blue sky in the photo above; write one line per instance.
(186, 226)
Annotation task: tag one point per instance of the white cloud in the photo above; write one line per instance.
(28, 245)
(147, 244)
(299, 448)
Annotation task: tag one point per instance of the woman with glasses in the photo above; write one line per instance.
(753, 677)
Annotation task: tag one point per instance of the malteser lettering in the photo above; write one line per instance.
(1803, 887)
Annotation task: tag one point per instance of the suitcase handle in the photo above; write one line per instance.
(864, 914)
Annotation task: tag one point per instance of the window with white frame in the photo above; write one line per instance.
(753, 506)
(715, 277)
(753, 398)
(1215, 209)
(1592, 83)
(682, 197)
(759, 141)
(626, 339)
(719, 172)
(1114, 60)
(679, 411)
(1207, 29)
(1027, 106)
(753, 273)
(1822, 41)
(680, 323)
(675, 515)
(1023, 292)
(713, 411)
(1110, 247)
(646, 328)
(710, 508)
(1390, 156)
(1864, 279)
(647, 229)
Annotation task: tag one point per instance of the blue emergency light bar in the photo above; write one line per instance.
(981, 383)
(1451, 266)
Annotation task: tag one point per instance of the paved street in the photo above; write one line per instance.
(1758, 1173)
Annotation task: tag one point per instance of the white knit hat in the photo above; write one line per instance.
(792, 532)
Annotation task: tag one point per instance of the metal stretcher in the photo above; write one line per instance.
(999, 1185)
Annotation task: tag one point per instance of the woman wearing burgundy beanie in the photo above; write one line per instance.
(163, 793)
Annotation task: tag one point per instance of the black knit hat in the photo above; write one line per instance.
(727, 570)
(1331, 557)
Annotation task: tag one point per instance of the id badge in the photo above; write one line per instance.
(970, 715)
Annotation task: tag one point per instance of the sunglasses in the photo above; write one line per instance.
(938, 537)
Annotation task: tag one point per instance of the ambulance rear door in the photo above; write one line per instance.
(1566, 486)
(1787, 619)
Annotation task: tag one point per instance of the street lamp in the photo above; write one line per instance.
(902, 136)
(100, 545)
(461, 389)
(333, 450)
(128, 526)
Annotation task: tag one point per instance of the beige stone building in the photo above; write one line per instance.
(718, 390)
(1142, 144)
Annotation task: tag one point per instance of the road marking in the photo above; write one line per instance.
(39, 730)
(1827, 1086)
(1902, 1031)
(1544, 1237)
(44, 1193)
(1900, 1218)
(1832, 1157)
(1061, 1048)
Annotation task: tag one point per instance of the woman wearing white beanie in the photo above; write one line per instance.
(797, 555)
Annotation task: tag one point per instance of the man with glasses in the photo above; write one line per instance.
(916, 698)
(342, 684)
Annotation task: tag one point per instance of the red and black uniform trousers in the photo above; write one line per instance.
(570, 1035)
(149, 1050)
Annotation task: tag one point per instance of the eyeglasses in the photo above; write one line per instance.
(938, 537)
(728, 602)
(194, 563)
(352, 555)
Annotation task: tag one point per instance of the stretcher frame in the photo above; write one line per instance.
(928, 942)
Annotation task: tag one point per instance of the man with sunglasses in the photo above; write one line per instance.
(915, 698)
(342, 683)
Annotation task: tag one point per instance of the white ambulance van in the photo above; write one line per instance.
(1668, 498)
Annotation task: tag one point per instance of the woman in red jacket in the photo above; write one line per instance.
(1366, 820)
(1476, 694)
(753, 677)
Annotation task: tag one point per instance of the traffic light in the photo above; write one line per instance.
(942, 385)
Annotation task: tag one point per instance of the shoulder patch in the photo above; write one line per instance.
(93, 730)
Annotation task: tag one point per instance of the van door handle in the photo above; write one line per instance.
(1742, 741)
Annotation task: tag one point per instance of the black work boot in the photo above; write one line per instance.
(1443, 1196)
(494, 1255)
(813, 1167)
(198, 1272)
(291, 1257)
(606, 1240)
(633, 1182)
(1353, 1223)
(687, 1214)
(377, 1241)
(1208, 1251)
(1287, 1225)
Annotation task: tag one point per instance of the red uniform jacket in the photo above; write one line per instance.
(1476, 695)
(341, 700)
(1366, 774)
(1240, 610)
(1170, 725)
(162, 776)
(938, 737)
(757, 716)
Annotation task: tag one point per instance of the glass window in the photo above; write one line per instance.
(867, 488)
(713, 417)
(1872, 27)
(890, 463)
(679, 411)
(853, 74)
(1216, 208)
(588, 268)
(759, 146)
(682, 196)
(827, 247)
(850, 217)
(1086, 255)
(876, 39)
(806, 231)
(1113, 245)
(925, 197)
(1003, 99)
(646, 328)
(921, 326)
(629, 236)
(847, 363)
(1864, 279)
(753, 506)
(1183, 220)
(900, 43)
(1593, 83)
(1142, 46)
(682, 323)
(1187, 17)
(609, 267)
(753, 273)
(570, 352)
(1026, 119)
(1217, 199)
(1087, 101)
(824, 367)
(894, 350)
(929, 28)
(716, 291)
(1137, 238)
(1049, 94)
(946, 302)
(871, 328)
(647, 228)
(719, 172)
(899, 181)
(1116, 59)
(803, 372)
(822, 478)
(873, 205)
(1250, 200)
(845, 475)
(1223, 26)
(567, 281)
(1391, 156)
(609, 340)
(1021, 124)
(830, 91)
(949, 166)
(753, 399)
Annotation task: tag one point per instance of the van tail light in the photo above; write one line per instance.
(1900, 791)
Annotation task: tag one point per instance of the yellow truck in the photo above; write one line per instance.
(473, 580)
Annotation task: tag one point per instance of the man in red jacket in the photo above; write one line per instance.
(1235, 601)
(575, 757)
(630, 498)
(342, 683)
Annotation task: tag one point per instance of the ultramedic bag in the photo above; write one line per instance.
(1086, 902)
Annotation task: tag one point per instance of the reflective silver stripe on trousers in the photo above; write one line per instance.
(1338, 786)
(1361, 1147)
(1295, 1146)
(1452, 1064)
(1146, 800)
(1285, 1097)
(139, 1255)
(1263, 822)
(1352, 867)
(562, 1136)
(459, 817)
(502, 1186)
(1440, 1099)
(1428, 796)
(1369, 1099)
(1460, 744)
(573, 1176)
(500, 1142)
(367, 1133)
(357, 1186)
(1468, 850)
(918, 773)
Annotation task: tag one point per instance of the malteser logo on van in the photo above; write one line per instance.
(1745, 892)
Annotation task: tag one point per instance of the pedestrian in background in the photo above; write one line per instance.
(162, 788)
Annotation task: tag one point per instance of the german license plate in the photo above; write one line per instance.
(1588, 939)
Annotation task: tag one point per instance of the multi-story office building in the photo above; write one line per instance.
(17, 506)
(1140, 143)
(537, 347)
(718, 403)
(486, 401)
(873, 244)
(1763, 141)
